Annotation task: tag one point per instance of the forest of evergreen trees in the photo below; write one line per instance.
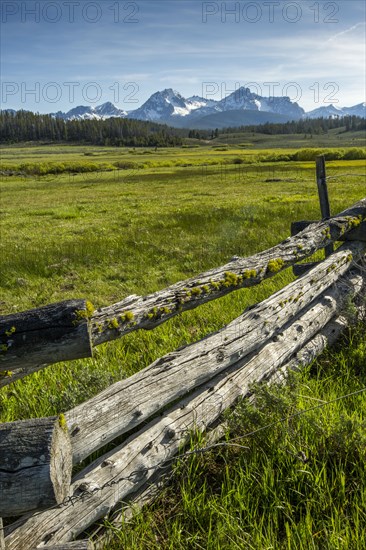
(23, 126)
(309, 126)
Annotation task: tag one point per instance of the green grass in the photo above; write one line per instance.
(104, 235)
(35, 161)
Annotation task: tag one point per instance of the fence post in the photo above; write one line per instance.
(321, 180)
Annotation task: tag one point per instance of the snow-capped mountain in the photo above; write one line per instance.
(161, 106)
(169, 106)
(337, 112)
(164, 105)
(244, 99)
(101, 112)
(108, 110)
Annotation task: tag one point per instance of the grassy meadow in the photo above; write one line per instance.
(103, 223)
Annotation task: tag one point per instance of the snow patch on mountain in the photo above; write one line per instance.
(87, 112)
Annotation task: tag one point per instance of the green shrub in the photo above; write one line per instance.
(355, 154)
(125, 165)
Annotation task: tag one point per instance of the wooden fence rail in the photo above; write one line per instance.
(193, 385)
(49, 334)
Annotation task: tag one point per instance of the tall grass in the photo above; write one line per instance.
(196, 158)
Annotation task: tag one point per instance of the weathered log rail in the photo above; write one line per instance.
(150, 311)
(36, 338)
(193, 385)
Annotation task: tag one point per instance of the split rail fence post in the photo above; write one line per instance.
(321, 180)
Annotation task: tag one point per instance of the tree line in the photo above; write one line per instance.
(20, 126)
(316, 126)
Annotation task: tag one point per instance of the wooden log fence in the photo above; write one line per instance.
(193, 385)
(109, 479)
(127, 403)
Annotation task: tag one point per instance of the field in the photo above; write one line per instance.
(103, 223)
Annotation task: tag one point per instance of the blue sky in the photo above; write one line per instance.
(58, 54)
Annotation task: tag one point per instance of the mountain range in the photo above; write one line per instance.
(101, 112)
(338, 112)
(240, 108)
(170, 107)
